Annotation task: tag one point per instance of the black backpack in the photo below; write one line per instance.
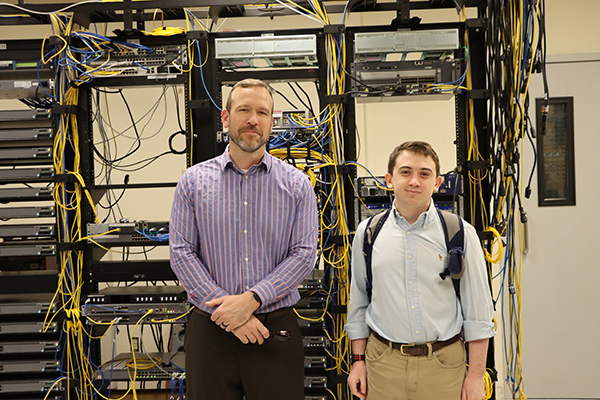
(455, 242)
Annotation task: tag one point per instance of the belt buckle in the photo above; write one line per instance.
(402, 346)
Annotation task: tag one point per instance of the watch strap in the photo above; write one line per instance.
(257, 298)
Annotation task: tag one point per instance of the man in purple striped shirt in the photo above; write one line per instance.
(243, 236)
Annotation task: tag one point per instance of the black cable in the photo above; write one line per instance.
(109, 167)
(176, 95)
(110, 206)
(137, 135)
(307, 98)
(372, 89)
(298, 97)
(162, 339)
(502, 88)
(182, 132)
(170, 341)
(150, 160)
(97, 117)
(107, 91)
(178, 55)
(285, 98)
(373, 92)
(530, 136)
(128, 334)
(141, 343)
(358, 81)
(155, 337)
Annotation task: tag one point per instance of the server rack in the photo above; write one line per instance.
(29, 321)
(201, 112)
(30, 350)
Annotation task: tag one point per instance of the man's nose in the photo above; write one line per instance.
(253, 119)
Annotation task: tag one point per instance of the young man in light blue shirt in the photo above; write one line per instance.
(408, 338)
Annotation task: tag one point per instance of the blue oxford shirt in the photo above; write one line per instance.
(410, 302)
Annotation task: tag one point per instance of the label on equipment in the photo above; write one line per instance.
(23, 84)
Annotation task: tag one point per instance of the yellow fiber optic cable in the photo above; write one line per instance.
(174, 318)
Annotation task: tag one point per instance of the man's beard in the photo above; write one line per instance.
(248, 147)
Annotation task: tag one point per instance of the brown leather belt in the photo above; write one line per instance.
(417, 350)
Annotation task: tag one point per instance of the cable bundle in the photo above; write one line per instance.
(74, 65)
(516, 49)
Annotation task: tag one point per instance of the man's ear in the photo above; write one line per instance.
(388, 180)
(438, 182)
(225, 118)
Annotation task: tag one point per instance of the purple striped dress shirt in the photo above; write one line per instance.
(231, 231)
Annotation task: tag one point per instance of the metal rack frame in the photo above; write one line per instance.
(204, 119)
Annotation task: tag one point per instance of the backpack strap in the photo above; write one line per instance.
(455, 243)
(372, 229)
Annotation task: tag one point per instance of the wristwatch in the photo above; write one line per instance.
(257, 298)
(357, 357)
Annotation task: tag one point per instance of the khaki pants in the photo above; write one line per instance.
(393, 376)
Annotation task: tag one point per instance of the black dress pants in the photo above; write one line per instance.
(220, 367)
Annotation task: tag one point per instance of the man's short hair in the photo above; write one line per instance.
(250, 83)
(422, 148)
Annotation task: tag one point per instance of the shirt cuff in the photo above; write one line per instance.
(357, 330)
(201, 303)
(265, 291)
(475, 330)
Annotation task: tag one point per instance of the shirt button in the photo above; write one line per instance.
(245, 203)
(245, 231)
(408, 233)
(417, 332)
(410, 257)
(247, 287)
(410, 282)
(413, 307)
(246, 259)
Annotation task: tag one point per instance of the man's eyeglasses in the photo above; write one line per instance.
(282, 336)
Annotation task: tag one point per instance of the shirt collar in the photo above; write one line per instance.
(430, 214)
(425, 219)
(266, 163)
